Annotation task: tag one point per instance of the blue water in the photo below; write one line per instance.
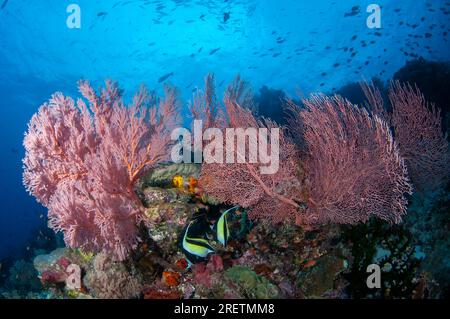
(282, 44)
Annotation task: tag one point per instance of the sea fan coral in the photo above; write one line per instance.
(345, 169)
(82, 163)
(375, 101)
(205, 105)
(418, 132)
(352, 164)
(268, 196)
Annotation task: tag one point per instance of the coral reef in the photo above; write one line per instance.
(418, 131)
(322, 280)
(429, 223)
(250, 285)
(353, 167)
(206, 107)
(126, 213)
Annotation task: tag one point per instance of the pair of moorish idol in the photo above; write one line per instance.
(195, 244)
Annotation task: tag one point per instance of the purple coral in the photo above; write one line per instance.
(82, 163)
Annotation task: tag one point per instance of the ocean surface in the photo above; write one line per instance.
(296, 46)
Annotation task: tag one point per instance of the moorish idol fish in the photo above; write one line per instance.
(195, 247)
(222, 231)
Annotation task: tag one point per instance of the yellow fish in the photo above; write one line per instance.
(192, 184)
(178, 181)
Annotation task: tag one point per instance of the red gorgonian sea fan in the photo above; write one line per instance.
(352, 164)
(270, 197)
(417, 131)
(206, 107)
(82, 161)
(346, 168)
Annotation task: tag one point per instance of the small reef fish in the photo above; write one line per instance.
(4, 4)
(309, 263)
(355, 10)
(201, 237)
(196, 247)
(182, 263)
(226, 16)
(192, 184)
(165, 77)
(214, 51)
(171, 278)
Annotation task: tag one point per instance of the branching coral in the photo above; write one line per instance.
(82, 163)
(340, 164)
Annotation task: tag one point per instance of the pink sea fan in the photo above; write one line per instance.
(67, 213)
(346, 168)
(206, 107)
(418, 132)
(352, 164)
(59, 138)
(269, 197)
(375, 102)
(82, 162)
